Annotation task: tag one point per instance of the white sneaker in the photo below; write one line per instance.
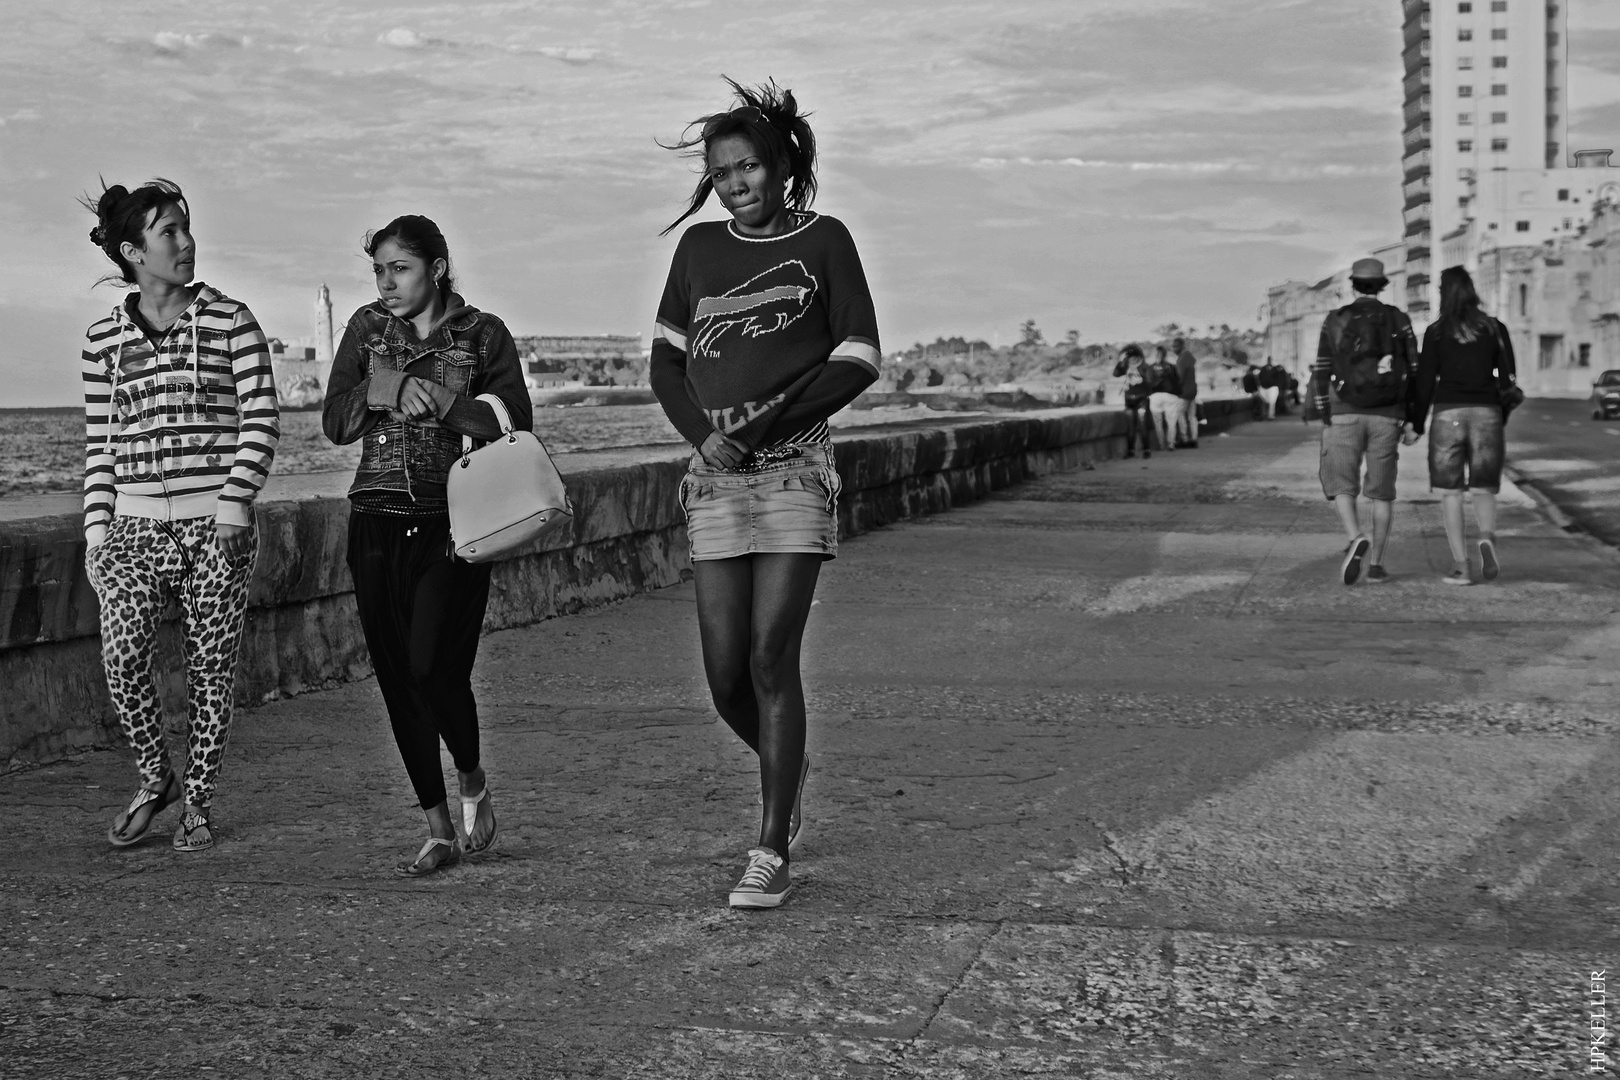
(765, 884)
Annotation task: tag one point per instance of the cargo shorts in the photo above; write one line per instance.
(1351, 440)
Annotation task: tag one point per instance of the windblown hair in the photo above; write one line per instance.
(768, 117)
(122, 216)
(422, 238)
(1460, 314)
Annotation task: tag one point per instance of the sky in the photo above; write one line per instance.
(1098, 165)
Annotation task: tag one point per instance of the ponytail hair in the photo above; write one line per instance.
(768, 117)
(122, 217)
(422, 238)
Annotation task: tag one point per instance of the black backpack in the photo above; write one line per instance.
(1361, 375)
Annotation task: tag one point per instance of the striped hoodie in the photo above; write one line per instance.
(185, 429)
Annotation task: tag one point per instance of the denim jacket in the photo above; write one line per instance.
(404, 463)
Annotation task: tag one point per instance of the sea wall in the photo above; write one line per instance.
(628, 536)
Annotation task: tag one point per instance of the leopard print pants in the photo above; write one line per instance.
(140, 565)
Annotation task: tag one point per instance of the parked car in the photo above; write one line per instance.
(1606, 396)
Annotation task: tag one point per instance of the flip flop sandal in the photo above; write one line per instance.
(194, 833)
(469, 821)
(165, 795)
(415, 868)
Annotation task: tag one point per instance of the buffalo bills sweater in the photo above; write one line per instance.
(182, 427)
(763, 338)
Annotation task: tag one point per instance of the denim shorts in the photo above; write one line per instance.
(783, 506)
(1354, 438)
(1468, 435)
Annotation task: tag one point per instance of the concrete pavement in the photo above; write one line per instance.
(1110, 778)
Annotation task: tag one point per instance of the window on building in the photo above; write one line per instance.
(1465, 118)
(1566, 223)
(1465, 91)
(1563, 194)
(1492, 225)
(1521, 226)
(1499, 33)
(1465, 35)
(1552, 93)
(1498, 5)
(1465, 63)
(1498, 117)
(1465, 8)
(1584, 357)
(1499, 90)
(1465, 146)
(1552, 37)
(1524, 300)
(1552, 11)
(1498, 61)
(1499, 146)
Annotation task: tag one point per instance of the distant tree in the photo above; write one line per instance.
(1167, 330)
(1072, 337)
(1030, 335)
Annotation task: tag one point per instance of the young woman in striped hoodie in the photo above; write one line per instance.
(181, 426)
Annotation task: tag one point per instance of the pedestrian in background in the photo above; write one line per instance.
(405, 381)
(1139, 384)
(1466, 373)
(181, 427)
(1251, 386)
(766, 328)
(1164, 401)
(1364, 382)
(1186, 410)
(1271, 383)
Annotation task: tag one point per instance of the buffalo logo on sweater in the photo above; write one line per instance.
(761, 305)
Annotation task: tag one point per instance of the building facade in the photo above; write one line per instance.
(587, 359)
(1485, 84)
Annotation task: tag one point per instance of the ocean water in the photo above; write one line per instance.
(42, 450)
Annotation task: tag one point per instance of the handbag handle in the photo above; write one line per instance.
(502, 417)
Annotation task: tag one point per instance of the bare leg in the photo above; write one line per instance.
(1485, 514)
(1346, 506)
(784, 585)
(1383, 515)
(725, 602)
(1451, 513)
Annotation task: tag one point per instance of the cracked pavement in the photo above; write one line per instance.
(1110, 778)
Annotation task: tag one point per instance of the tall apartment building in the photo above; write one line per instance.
(1485, 90)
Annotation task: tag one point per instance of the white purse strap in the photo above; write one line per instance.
(502, 417)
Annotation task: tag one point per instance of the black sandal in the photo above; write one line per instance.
(165, 795)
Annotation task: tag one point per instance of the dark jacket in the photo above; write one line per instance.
(1452, 372)
(404, 463)
(1167, 380)
(1251, 382)
(1405, 356)
(1187, 372)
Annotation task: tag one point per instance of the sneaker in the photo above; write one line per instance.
(1458, 576)
(1488, 566)
(765, 884)
(1351, 570)
(1376, 575)
(796, 819)
(1147, 453)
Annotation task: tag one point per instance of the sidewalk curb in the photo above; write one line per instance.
(1543, 501)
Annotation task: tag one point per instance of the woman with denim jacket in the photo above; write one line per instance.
(405, 380)
(766, 329)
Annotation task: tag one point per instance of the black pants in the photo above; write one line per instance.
(1137, 421)
(422, 611)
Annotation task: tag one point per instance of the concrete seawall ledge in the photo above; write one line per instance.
(628, 536)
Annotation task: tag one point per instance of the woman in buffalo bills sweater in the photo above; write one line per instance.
(766, 329)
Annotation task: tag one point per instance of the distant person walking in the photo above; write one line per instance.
(1251, 386)
(1164, 401)
(1467, 374)
(1364, 382)
(1272, 381)
(181, 427)
(405, 380)
(766, 328)
(1139, 383)
(1187, 410)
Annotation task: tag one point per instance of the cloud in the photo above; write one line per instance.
(403, 37)
(172, 43)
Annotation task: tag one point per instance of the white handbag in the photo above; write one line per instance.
(504, 494)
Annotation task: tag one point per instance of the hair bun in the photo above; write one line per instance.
(110, 198)
(98, 236)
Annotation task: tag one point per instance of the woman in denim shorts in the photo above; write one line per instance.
(765, 329)
(1466, 362)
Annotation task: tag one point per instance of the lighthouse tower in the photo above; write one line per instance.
(323, 329)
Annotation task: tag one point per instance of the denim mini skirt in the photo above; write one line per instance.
(788, 504)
